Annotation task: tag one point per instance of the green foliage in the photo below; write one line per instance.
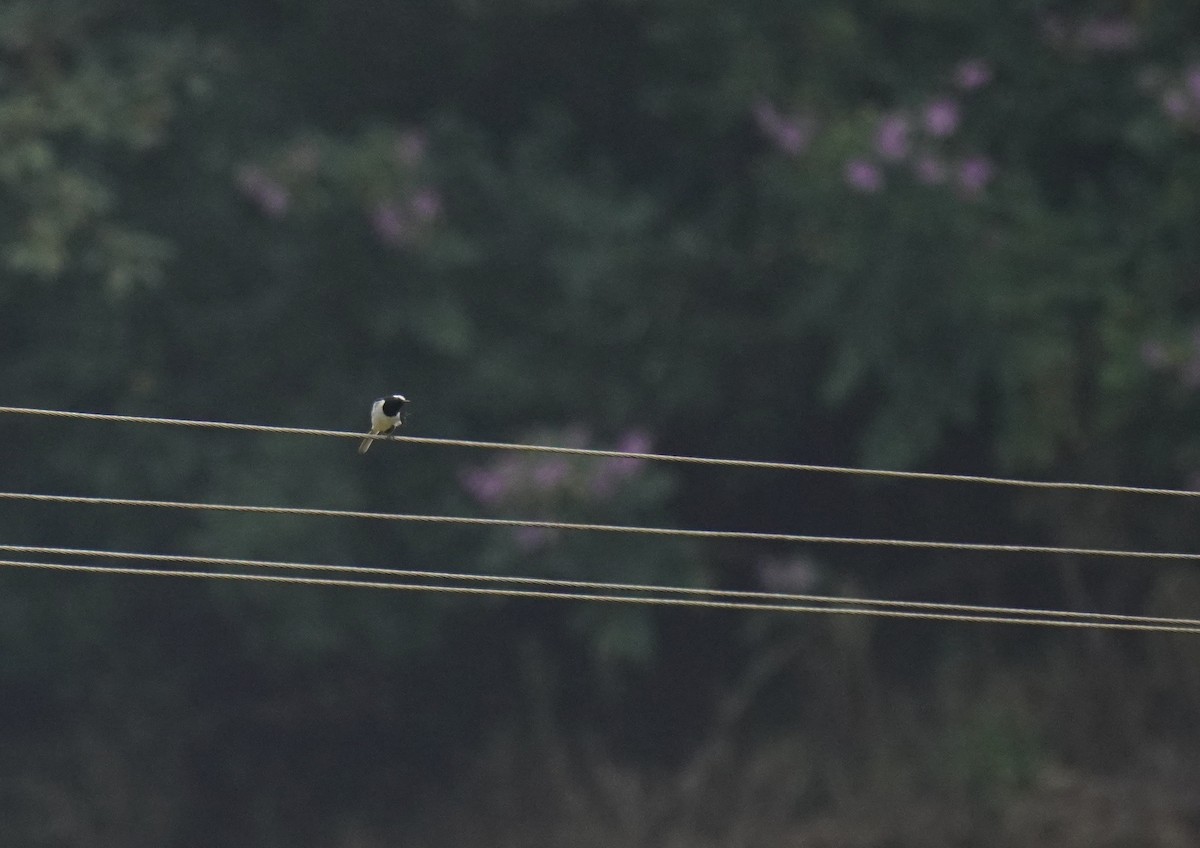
(74, 110)
(905, 233)
(933, 295)
(994, 752)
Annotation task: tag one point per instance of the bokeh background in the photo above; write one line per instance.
(941, 235)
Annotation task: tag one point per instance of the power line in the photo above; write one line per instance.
(1192, 628)
(615, 454)
(639, 588)
(742, 535)
(501, 585)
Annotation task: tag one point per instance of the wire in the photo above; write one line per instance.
(593, 585)
(1193, 627)
(614, 454)
(692, 596)
(611, 528)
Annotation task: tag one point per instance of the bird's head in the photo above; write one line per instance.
(393, 404)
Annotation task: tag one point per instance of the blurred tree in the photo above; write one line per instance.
(949, 235)
(76, 109)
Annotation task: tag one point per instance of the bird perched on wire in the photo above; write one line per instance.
(387, 414)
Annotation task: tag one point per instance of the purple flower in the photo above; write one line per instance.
(532, 538)
(788, 133)
(1108, 35)
(1154, 354)
(929, 169)
(270, 196)
(391, 223)
(972, 74)
(619, 469)
(487, 486)
(793, 137)
(766, 115)
(426, 204)
(635, 441)
(863, 175)
(410, 147)
(604, 480)
(1191, 79)
(941, 117)
(891, 137)
(610, 474)
(974, 173)
(550, 473)
(1176, 104)
(796, 575)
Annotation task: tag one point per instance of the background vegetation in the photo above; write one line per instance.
(951, 235)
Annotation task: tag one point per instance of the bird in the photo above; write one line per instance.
(387, 413)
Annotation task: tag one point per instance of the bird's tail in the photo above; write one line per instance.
(365, 445)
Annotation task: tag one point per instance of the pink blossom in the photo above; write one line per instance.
(1099, 34)
(549, 474)
(635, 441)
(795, 575)
(623, 467)
(791, 134)
(974, 174)
(1154, 354)
(486, 486)
(426, 204)
(1191, 79)
(391, 223)
(267, 193)
(891, 137)
(531, 538)
(410, 147)
(793, 137)
(604, 480)
(1176, 104)
(1108, 35)
(941, 117)
(929, 169)
(610, 474)
(863, 175)
(972, 74)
